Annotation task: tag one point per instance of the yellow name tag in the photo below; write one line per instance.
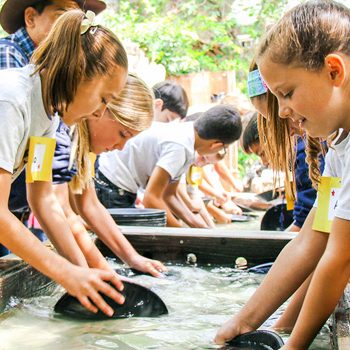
(290, 202)
(327, 199)
(92, 157)
(194, 175)
(40, 157)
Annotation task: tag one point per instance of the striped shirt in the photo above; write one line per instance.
(16, 49)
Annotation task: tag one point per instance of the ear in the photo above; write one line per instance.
(335, 67)
(215, 146)
(158, 104)
(29, 17)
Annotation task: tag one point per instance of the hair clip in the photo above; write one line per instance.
(256, 85)
(88, 22)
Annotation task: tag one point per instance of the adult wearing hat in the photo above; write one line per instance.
(29, 21)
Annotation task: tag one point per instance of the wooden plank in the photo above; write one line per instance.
(217, 246)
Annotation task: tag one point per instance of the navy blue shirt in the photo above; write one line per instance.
(306, 194)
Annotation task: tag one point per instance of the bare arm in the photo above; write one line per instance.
(180, 209)
(327, 284)
(81, 282)
(226, 175)
(153, 197)
(101, 222)
(92, 255)
(294, 264)
(46, 208)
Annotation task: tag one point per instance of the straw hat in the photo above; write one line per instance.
(12, 12)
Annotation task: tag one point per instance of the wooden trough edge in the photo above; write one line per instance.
(210, 246)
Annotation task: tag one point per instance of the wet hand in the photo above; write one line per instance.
(231, 329)
(85, 284)
(154, 267)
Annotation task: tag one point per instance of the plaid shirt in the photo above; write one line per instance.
(10, 56)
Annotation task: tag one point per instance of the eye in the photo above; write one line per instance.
(289, 94)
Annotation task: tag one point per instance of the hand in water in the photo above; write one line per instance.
(86, 283)
(154, 267)
(231, 329)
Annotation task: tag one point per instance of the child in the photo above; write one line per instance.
(171, 101)
(160, 155)
(306, 194)
(126, 116)
(66, 79)
(304, 60)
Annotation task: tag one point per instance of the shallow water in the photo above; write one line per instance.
(199, 301)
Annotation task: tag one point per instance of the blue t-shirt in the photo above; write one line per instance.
(306, 194)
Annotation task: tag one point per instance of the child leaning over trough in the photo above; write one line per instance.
(312, 88)
(160, 155)
(78, 59)
(127, 115)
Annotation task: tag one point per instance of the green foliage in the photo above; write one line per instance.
(184, 35)
(245, 161)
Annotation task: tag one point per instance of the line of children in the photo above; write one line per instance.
(304, 60)
(167, 152)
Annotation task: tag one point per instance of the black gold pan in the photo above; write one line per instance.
(256, 340)
(139, 302)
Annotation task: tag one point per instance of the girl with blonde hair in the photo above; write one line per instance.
(75, 72)
(126, 115)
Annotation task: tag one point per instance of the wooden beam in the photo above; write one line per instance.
(211, 246)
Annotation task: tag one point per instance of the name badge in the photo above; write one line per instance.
(92, 157)
(327, 200)
(194, 175)
(40, 157)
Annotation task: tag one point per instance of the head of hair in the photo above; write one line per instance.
(221, 122)
(174, 97)
(194, 116)
(250, 135)
(68, 57)
(41, 5)
(133, 108)
(307, 33)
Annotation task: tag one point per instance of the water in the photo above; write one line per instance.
(199, 302)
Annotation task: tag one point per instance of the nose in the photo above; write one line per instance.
(284, 111)
(120, 145)
(100, 111)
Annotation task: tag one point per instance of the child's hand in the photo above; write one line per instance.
(86, 283)
(232, 208)
(140, 263)
(231, 329)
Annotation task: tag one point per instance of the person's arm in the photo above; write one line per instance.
(296, 261)
(180, 209)
(153, 197)
(327, 285)
(192, 204)
(92, 255)
(223, 171)
(102, 223)
(47, 210)
(287, 320)
(80, 282)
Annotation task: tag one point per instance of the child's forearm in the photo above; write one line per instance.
(49, 213)
(328, 283)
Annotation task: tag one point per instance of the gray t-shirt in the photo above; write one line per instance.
(22, 115)
(169, 146)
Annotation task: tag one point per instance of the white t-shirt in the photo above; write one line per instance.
(337, 164)
(169, 146)
(22, 115)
